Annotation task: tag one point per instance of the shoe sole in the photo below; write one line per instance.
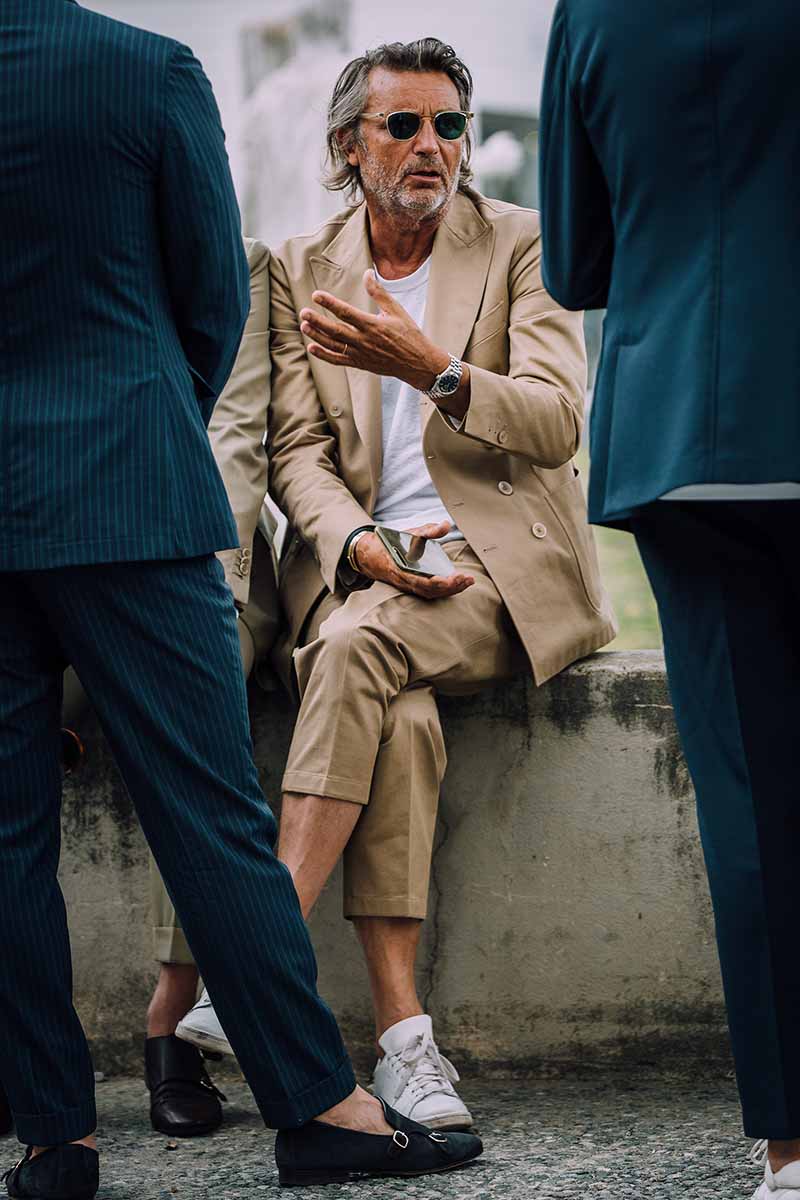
(198, 1131)
(451, 1124)
(291, 1178)
(78, 1195)
(204, 1041)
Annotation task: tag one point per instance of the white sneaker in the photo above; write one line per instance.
(785, 1185)
(201, 1027)
(416, 1080)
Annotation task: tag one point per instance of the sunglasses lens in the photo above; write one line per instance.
(450, 125)
(403, 125)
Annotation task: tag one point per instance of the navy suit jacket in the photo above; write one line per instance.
(123, 293)
(670, 185)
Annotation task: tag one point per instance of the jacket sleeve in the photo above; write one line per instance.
(238, 427)
(535, 410)
(577, 223)
(303, 475)
(205, 262)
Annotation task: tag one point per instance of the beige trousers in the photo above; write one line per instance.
(368, 730)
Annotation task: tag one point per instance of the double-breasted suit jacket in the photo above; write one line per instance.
(506, 477)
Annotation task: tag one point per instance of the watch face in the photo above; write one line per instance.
(448, 384)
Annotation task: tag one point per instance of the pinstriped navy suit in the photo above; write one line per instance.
(123, 295)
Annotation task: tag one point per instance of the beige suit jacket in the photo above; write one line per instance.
(506, 477)
(238, 425)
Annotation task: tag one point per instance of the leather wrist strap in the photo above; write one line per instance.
(345, 559)
(351, 548)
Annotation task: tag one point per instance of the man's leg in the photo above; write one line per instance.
(156, 647)
(368, 734)
(728, 594)
(46, 1067)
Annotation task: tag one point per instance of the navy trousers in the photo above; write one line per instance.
(726, 576)
(156, 647)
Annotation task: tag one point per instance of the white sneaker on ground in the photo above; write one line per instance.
(785, 1185)
(416, 1080)
(201, 1027)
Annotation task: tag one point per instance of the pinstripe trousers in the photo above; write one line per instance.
(156, 647)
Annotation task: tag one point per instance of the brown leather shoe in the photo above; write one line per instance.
(183, 1100)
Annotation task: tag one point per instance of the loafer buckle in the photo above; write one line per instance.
(400, 1139)
(438, 1137)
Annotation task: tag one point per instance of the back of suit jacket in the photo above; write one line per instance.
(123, 292)
(670, 193)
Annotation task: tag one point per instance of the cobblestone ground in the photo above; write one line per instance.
(605, 1137)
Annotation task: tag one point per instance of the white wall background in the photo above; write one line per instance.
(504, 45)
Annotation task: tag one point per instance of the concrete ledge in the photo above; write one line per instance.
(570, 918)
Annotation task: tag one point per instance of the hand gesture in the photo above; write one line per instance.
(375, 561)
(388, 344)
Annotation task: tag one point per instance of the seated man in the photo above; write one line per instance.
(422, 378)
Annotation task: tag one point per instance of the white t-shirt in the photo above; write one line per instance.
(407, 496)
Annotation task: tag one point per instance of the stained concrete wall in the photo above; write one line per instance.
(569, 924)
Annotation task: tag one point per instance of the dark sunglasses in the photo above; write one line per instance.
(403, 126)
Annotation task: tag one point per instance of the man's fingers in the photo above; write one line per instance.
(439, 587)
(432, 531)
(328, 356)
(337, 345)
(379, 294)
(345, 312)
(312, 323)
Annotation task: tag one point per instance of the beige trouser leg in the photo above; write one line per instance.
(368, 730)
(169, 943)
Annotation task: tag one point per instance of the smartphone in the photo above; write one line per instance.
(415, 554)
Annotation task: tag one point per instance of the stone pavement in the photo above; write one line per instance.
(604, 1136)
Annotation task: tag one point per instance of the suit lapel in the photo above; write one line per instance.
(341, 272)
(462, 254)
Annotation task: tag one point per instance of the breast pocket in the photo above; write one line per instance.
(489, 325)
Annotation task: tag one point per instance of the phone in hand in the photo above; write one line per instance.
(415, 554)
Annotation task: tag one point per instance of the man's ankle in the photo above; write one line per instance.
(781, 1153)
(90, 1142)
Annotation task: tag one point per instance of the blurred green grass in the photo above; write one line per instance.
(627, 585)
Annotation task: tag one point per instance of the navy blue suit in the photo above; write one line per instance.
(123, 294)
(670, 145)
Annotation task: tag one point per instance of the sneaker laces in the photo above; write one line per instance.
(424, 1069)
(759, 1152)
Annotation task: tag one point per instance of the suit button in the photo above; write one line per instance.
(538, 530)
(502, 437)
(505, 488)
(336, 410)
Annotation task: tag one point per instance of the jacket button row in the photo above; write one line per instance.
(538, 530)
(505, 488)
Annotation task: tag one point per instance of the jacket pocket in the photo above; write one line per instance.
(568, 505)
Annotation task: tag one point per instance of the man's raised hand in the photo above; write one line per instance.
(388, 343)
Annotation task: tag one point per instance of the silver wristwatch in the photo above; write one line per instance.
(447, 383)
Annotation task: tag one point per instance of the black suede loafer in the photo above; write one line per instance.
(6, 1119)
(318, 1153)
(183, 1100)
(62, 1173)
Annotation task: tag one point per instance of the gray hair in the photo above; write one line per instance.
(349, 100)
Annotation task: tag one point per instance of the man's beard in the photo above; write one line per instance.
(385, 190)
